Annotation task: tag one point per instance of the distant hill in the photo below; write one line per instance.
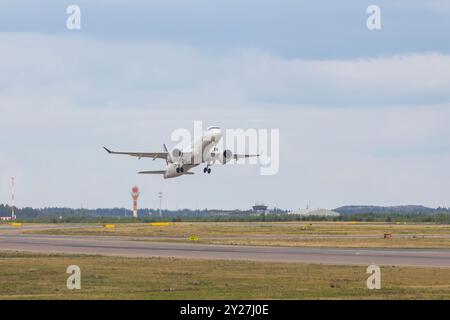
(407, 209)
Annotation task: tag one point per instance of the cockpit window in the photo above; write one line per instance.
(211, 128)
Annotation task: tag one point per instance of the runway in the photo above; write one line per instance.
(130, 247)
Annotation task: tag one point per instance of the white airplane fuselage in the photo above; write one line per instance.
(201, 151)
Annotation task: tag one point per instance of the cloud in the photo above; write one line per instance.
(352, 131)
(81, 71)
(329, 156)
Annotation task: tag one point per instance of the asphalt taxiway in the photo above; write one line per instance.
(134, 247)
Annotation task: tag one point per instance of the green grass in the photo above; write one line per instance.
(40, 276)
(276, 233)
(182, 229)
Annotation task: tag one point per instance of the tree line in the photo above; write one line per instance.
(148, 215)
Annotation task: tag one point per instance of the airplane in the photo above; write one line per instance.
(179, 162)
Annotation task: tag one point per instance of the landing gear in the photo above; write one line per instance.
(207, 169)
(179, 169)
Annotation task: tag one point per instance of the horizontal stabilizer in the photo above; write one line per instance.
(152, 172)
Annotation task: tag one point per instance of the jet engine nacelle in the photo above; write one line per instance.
(177, 153)
(227, 155)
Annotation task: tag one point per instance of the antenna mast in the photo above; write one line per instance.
(13, 204)
(160, 200)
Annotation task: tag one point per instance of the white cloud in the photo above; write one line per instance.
(62, 98)
(330, 156)
(84, 72)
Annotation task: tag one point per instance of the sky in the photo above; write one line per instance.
(363, 115)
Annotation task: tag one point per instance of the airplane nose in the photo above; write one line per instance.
(214, 134)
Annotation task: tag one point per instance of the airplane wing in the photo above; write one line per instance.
(240, 156)
(154, 155)
(160, 172)
(152, 172)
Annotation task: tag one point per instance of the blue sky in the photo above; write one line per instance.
(362, 114)
(293, 28)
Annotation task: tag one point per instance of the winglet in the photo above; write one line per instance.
(107, 150)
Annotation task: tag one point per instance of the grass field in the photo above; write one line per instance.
(39, 276)
(315, 234)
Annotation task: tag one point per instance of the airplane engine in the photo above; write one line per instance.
(226, 156)
(177, 153)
